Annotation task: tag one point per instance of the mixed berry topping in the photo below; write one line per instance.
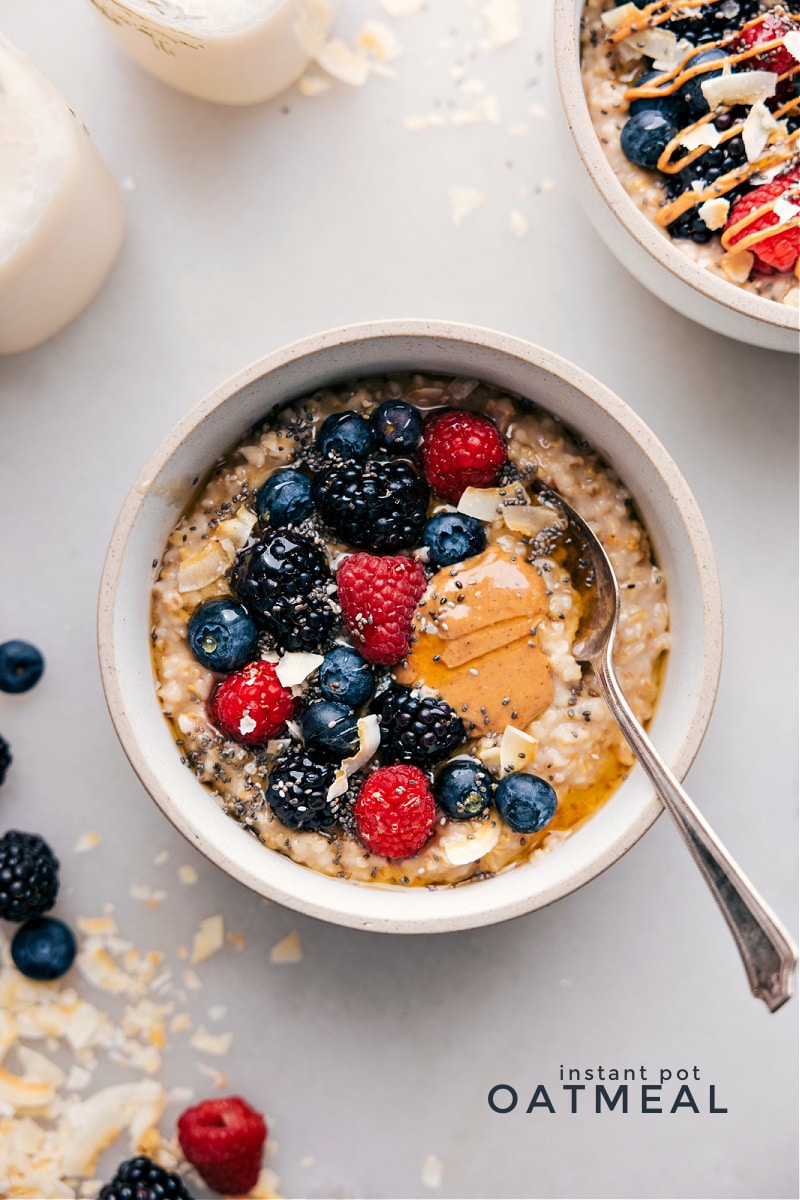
(44, 948)
(378, 597)
(463, 789)
(285, 582)
(224, 1140)
(21, 666)
(395, 811)
(416, 728)
(452, 537)
(330, 728)
(378, 505)
(252, 706)
(525, 802)
(460, 450)
(345, 436)
(142, 1179)
(297, 790)
(285, 498)
(345, 677)
(755, 214)
(28, 876)
(222, 636)
(396, 426)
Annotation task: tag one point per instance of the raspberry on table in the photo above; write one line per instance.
(378, 597)
(28, 876)
(461, 449)
(395, 812)
(224, 1140)
(781, 251)
(377, 505)
(251, 705)
(142, 1179)
(285, 582)
(415, 728)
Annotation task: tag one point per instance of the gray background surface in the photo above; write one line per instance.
(249, 228)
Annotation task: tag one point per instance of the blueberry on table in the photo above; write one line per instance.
(345, 677)
(663, 104)
(330, 728)
(345, 435)
(463, 789)
(690, 95)
(21, 666)
(525, 802)
(397, 426)
(43, 948)
(452, 537)
(222, 635)
(645, 137)
(285, 498)
(5, 757)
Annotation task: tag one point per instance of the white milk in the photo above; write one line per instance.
(229, 51)
(61, 214)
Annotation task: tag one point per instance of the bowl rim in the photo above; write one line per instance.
(569, 82)
(435, 331)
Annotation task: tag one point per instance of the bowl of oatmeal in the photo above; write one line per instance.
(681, 127)
(337, 616)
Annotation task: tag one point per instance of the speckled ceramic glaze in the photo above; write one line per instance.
(165, 487)
(650, 256)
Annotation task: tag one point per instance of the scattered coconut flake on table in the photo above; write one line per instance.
(432, 1172)
(344, 63)
(463, 201)
(219, 1080)
(313, 85)
(209, 938)
(288, 950)
(211, 1043)
(518, 224)
(501, 22)
(401, 8)
(379, 40)
(87, 841)
(187, 875)
(161, 858)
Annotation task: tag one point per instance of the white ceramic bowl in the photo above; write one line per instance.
(648, 254)
(163, 491)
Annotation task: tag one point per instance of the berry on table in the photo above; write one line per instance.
(459, 450)
(285, 498)
(251, 705)
(330, 728)
(415, 728)
(345, 435)
(344, 676)
(224, 1140)
(395, 811)
(43, 948)
(222, 636)
(397, 426)
(452, 537)
(463, 789)
(781, 251)
(297, 790)
(525, 802)
(286, 584)
(379, 505)
(28, 876)
(142, 1179)
(378, 597)
(5, 757)
(21, 666)
(645, 137)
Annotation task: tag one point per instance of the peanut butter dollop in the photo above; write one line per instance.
(474, 642)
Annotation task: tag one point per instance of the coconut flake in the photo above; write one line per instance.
(517, 749)
(432, 1172)
(343, 63)
(463, 201)
(701, 136)
(401, 8)
(296, 666)
(758, 130)
(369, 739)
(313, 85)
(614, 18)
(743, 87)
(208, 565)
(737, 265)
(715, 212)
(665, 49)
(792, 297)
(380, 41)
(86, 842)
(467, 841)
(485, 504)
(785, 210)
(518, 224)
(530, 519)
(211, 1043)
(209, 938)
(288, 950)
(792, 43)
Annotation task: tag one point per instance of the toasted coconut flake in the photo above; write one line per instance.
(95, 1123)
(379, 40)
(8, 1032)
(21, 1094)
(237, 528)
(792, 43)
(313, 85)
(211, 1043)
(432, 1172)
(343, 63)
(288, 950)
(191, 981)
(701, 135)
(502, 22)
(741, 87)
(296, 666)
(463, 202)
(86, 842)
(209, 938)
(467, 841)
(99, 926)
(180, 1023)
(188, 875)
(219, 1080)
(737, 265)
(759, 130)
(615, 18)
(792, 297)
(485, 504)
(715, 212)
(517, 750)
(530, 519)
(208, 565)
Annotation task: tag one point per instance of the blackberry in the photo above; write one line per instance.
(28, 876)
(286, 583)
(142, 1179)
(5, 757)
(297, 791)
(707, 168)
(416, 729)
(713, 21)
(377, 505)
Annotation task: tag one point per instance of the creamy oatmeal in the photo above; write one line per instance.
(482, 678)
(697, 107)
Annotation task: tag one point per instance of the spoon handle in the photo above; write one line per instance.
(767, 950)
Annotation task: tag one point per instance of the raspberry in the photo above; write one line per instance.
(772, 27)
(142, 1179)
(778, 253)
(28, 876)
(251, 705)
(460, 450)
(395, 811)
(415, 728)
(378, 597)
(224, 1139)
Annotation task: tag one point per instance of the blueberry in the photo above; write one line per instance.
(463, 789)
(21, 666)
(345, 677)
(285, 499)
(691, 94)
(345, 435)
(645, 136)
(222, 636)
(396, 425)
(43, 948)
(663, 104)
(451, 537)
(330, 728)
(525, 802)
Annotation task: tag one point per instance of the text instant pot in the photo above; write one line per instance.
(611, 1089)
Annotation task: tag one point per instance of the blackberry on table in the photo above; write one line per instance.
(297, 791)
(28, 876)
(377, 505)
(416, 729)
(5, 757)
(286, 583)
(142, 1179)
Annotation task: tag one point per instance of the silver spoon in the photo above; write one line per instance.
(768, 952)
